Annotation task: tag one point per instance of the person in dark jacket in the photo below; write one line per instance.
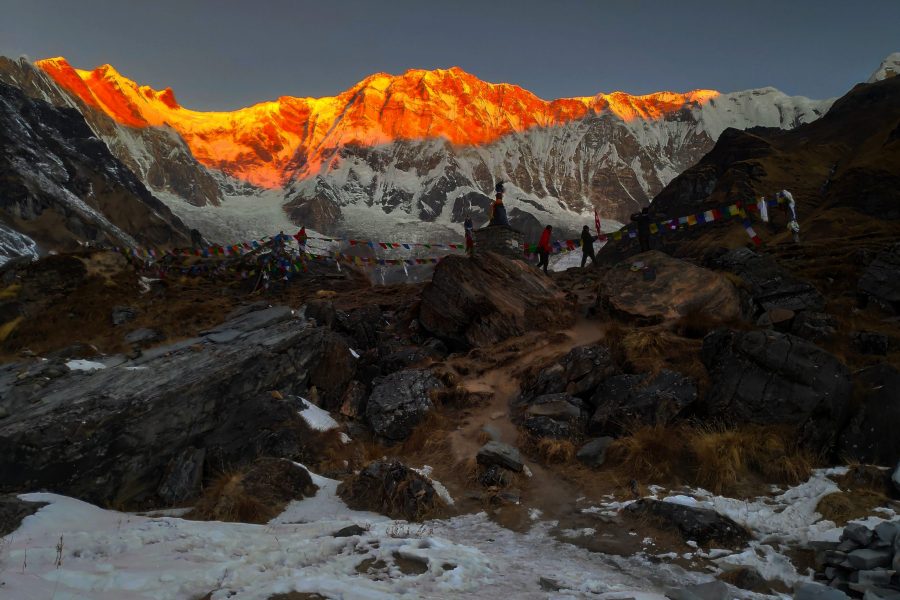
(469, 228)
(587, 246)
(543, 248)
(498, 212)
(642, 219)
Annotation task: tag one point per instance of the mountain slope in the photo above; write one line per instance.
(60, 186)
(843, 171)
(420, 149)
(158, 155)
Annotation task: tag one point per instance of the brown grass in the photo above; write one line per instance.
(7, 328)
(226, 500)
(11, 291)
(716, 459)
(652, 349)
(842, 507)
(556, 451)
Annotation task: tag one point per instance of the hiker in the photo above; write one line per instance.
(301, 238)
(643, 227)
(543, 248)
(587, 246)
(469, 228)
(498, 212)
(196, 239)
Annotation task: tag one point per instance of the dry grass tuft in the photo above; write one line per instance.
(7, 328)
(11, 291)
(428, 435)
(842, 507)
(556, 451)
(657, 452)
(227, 500)
(716, 459)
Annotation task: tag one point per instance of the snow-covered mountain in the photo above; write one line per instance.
(409, 153)
(890, 67)
(61, 187)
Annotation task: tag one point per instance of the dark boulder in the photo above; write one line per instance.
(701, 525)
(769, 284)
(391, 489)
(578, 373)
(872, 435)
(870, 342)
(675, 289)
(766, 377)
(881, 279)
(593, 453)
(641, 399)
(363, 325)
(399, 402)
(501, 455)
(119, 435)
(484, 299)
(183, 477)
(557, 416)
(814, 326)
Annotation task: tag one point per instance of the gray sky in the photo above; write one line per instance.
(225, 54)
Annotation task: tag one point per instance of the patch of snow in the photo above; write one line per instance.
(108, 555)
(681, 499)
(439, 488)
(354, 353)
(317, 418)
(84, 365)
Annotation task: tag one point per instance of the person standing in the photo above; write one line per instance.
(544, 248)
(587, 246)
(642, 219)
(301, 238)
(469, 228)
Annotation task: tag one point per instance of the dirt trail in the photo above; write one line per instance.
(545, 489)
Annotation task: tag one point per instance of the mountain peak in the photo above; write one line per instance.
(890, 67)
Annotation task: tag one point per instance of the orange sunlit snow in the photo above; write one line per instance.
(262, 143)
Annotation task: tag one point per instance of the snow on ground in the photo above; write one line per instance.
(777, 522)
(317, 418)
(108, 555)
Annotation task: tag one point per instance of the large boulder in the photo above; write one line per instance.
(767, 377)
(578, 373)
(132, 433)
(872, 436)
(557, 416)
(700, 525)
(664, 288)
(484, 299)
(392, 489)
(881, 279)
(399, 402)
(769, 284)
(641, 399)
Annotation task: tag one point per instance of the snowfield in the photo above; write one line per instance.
(75, 551)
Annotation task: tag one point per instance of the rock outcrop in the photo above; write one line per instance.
(484, 299)
(871, 436)
(767, 377)
(653, 287)
(881, 279)
(129, 432)
(641, 400)
(700, 525)
(399, 402)
(769, 285)
(392, 489)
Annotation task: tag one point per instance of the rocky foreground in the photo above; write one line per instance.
(656, 411)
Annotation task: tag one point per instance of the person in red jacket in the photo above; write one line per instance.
(544, 248)
(301, 238)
